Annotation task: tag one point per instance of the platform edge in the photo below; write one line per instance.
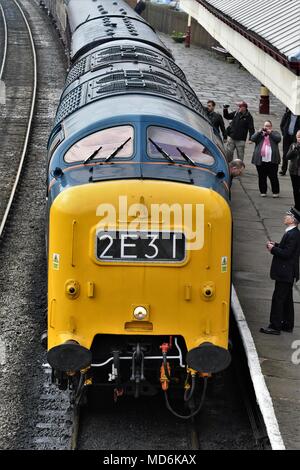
(262, 393)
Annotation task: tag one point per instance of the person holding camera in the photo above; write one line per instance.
(290, 125)
(266, 158)
(241, 124)
(294, 168)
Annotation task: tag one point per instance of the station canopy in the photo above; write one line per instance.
(263, 35)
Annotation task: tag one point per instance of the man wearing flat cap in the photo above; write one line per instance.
(241, 124)
(284, 270)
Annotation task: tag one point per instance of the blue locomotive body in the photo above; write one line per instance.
(121, 72)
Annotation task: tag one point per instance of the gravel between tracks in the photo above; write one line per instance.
(14, 115)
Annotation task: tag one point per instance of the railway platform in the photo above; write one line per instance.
(255, 220)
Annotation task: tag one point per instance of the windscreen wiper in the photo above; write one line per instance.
(185, 156)
(161, 150)
(115, 152)
(92, 156)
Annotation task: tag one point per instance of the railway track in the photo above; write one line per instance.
(223, 423)
(5, 38)
(19, 72)
(142, 425)
(146, 424)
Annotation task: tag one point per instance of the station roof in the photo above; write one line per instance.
(262, 35)
(273, 25)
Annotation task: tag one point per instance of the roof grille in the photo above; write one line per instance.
(194, 101)
(134, 75)
(131, 85)
(76, 71)
(177, 71)
(69, 104)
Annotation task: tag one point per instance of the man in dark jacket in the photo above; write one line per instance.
(140, 7)
(290, 125)
(216, 119)
(294, 156)
(284, 269)
(241, 124)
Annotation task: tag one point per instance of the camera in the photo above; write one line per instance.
(226, 106)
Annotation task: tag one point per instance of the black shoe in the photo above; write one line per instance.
(286, 329)
(282, 173)
(269, 331)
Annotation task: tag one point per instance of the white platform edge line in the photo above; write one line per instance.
(262, 393)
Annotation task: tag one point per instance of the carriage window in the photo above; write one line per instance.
(175, 144)
(103, 144)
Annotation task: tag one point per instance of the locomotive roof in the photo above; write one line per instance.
(129, 107)
(101, 21)
(82, 11)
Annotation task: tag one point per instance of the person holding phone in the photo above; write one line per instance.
(266, 158)
(284, 271)
(294, 168)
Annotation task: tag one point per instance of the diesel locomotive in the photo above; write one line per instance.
(139, 221)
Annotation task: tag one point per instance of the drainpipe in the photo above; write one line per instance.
(188, 32)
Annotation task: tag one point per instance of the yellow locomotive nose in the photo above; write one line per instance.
(100, 285)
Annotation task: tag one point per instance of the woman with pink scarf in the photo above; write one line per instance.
(266, 158)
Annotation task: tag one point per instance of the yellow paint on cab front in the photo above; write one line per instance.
(89, 297)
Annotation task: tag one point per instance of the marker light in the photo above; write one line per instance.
(140, 313)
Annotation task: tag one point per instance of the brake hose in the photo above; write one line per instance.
(190, 392)
(198, 408)
(166, 366)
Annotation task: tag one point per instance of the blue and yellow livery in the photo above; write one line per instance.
(139, 240)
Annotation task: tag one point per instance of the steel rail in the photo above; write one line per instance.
(5, 42)
(29, 125)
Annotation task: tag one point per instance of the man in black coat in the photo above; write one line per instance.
(284, 270)
(140, 7)
(290, 125)
(216, 118)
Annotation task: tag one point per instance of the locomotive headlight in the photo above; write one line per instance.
(140, 313)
